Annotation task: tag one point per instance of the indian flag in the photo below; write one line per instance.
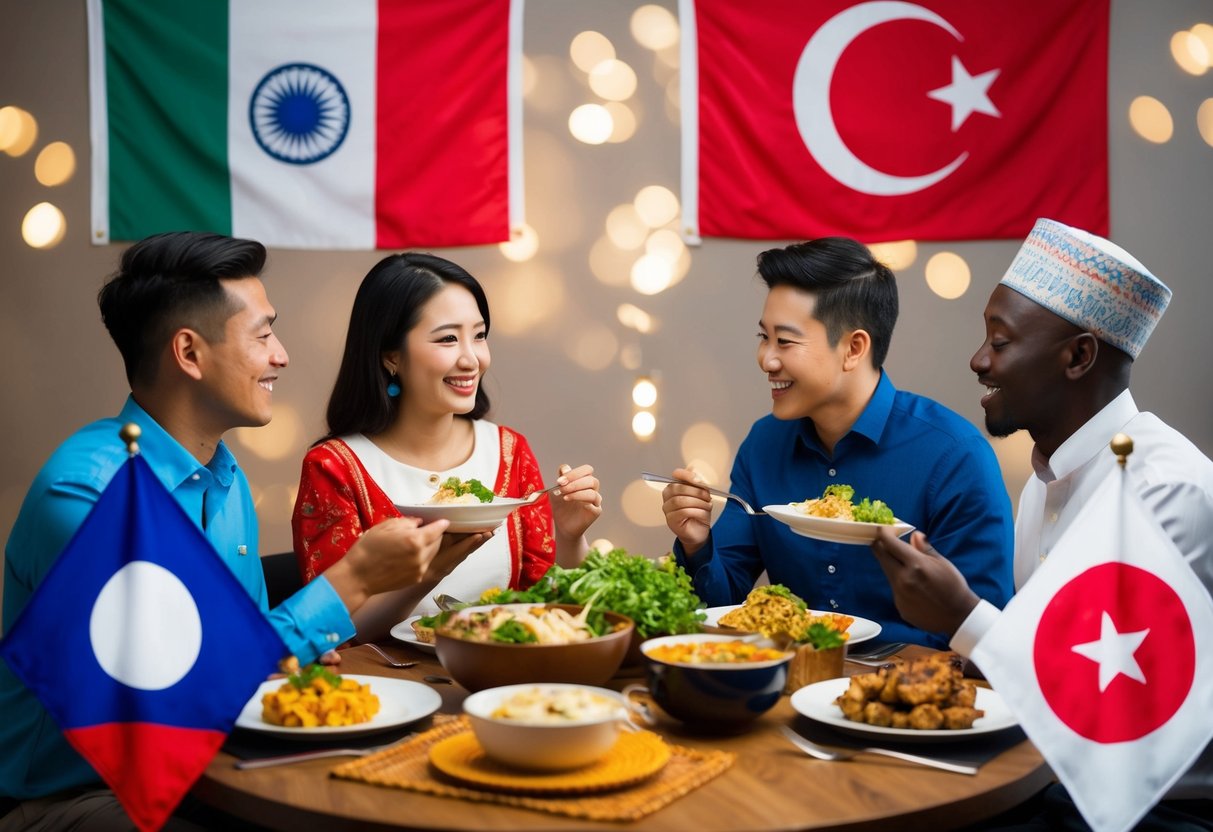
(307, 123)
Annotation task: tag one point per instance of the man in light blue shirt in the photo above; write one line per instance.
(194, 326)
(836, 419)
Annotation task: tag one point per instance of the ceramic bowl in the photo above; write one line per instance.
(725, 696)
(545, 745)
(479, 665)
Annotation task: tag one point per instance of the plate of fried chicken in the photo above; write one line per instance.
(924, 700)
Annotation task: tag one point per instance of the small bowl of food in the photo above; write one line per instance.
(510, 644)
(714, 680)
(549, 726)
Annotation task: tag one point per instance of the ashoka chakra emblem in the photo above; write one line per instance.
(299, 113)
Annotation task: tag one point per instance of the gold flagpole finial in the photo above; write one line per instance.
(1122, 446)
(130, 434)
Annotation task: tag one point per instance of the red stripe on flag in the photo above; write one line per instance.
(149, 767)
(442, 168)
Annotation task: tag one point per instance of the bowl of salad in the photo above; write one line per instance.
(509, 644)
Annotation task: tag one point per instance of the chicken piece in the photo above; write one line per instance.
(852, 709)
(901, 719)
(888, 694)
(958, 718)
(927, 680)
(870, 683)
(878, 713)
(855, 692)
(926, 717)
(963, 696)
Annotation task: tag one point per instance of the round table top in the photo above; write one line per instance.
(771, 785)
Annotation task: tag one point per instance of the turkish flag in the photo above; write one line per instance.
(1106, 658)
(932, 120)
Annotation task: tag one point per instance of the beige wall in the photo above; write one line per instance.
(58, 370)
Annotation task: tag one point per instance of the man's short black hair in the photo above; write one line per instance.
(169, 281)
(853, 290)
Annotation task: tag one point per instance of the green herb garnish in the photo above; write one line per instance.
(476, 487)
(821, 637)
(783, 592)
(872, 511)
(511, 632)
(309, 674)
(846, 492)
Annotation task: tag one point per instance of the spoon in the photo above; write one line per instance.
(389, 659)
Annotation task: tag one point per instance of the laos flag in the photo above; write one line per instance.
(142, 645)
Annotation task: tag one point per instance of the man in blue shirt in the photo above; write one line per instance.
(837, 419)
(194, 326)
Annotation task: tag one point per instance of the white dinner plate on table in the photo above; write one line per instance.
(470, 517)
(400, 702)
(861, 629)
(404, 632)
(816, 702)
(831, 528)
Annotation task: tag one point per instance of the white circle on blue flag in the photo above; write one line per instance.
(145, 629)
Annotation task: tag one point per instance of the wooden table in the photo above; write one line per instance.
(771, 786)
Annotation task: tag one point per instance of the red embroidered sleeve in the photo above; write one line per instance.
(336, 503)
(531, 530)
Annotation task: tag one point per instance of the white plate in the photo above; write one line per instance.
(816, 701)
(404, 632)
(400, 702)
(861, 629)
(473, 517)
(831, 528)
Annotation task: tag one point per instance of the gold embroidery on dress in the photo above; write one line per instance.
(347, 456)
(507, 459)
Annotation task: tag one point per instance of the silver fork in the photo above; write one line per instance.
(389, 659)
(823, 753)
(875, 658)
(287, 759)
(746, 507)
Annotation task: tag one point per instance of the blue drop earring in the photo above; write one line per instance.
(393, 387)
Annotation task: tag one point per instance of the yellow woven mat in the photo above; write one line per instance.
(406, 766)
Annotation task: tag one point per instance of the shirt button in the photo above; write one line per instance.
(833, 604)
(1053, 517)
(1043, 555)
(242, 549)
(833, 472)
(332, 638)
(831, 569)
(434, 479)
(196, 477)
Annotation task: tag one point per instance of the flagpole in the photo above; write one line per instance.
(130, 434)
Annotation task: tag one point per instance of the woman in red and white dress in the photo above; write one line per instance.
(406, 413)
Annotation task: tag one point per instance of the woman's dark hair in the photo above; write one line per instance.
(387, 306)
(169, 281)
(852, 288)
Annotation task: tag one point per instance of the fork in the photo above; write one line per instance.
(875, 658)
(389, 659)
(304, 756)
(823, 753)
(715, 491)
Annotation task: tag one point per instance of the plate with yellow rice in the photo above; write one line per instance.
(399, 703)
(861, 629)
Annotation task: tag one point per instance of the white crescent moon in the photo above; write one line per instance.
(811, 98)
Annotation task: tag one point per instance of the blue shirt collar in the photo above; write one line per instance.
(871, 422)
(169, 460)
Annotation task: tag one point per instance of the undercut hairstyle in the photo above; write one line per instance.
(387, 307)
(168, 282)
(853, 290)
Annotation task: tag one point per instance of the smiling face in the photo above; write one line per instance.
(242, 368)
(445, 355)
(805, 372)
(1022, 363)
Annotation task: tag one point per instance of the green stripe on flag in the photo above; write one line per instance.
(166, 85)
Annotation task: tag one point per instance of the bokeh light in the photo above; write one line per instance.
(623, 122)
(656, 205)
(55, 164)
(44, 226)
(613, 80)
(898, 256)
(652, 274)
(602, 544)
(633, 317)
(609, 263)
(1204, 120)
(522, 245)
(625, 227)
(591, 123)
(530, 76)
(18, 131)
(644, 424)
(641, 505)
(1204, 32)
(948, 275)
(525, 299)
(631, 357)
(594, 347)
(590, 48)
(280, 439)
(1151, 120)
(666, 243)
(654, 27)
(644, 392)
(706, 444)
(1189, 52)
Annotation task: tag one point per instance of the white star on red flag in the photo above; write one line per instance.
(967, 94)
(1113, 652)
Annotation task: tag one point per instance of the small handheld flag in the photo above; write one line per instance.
(141, 644)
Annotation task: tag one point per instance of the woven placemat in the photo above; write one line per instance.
(407, 766)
